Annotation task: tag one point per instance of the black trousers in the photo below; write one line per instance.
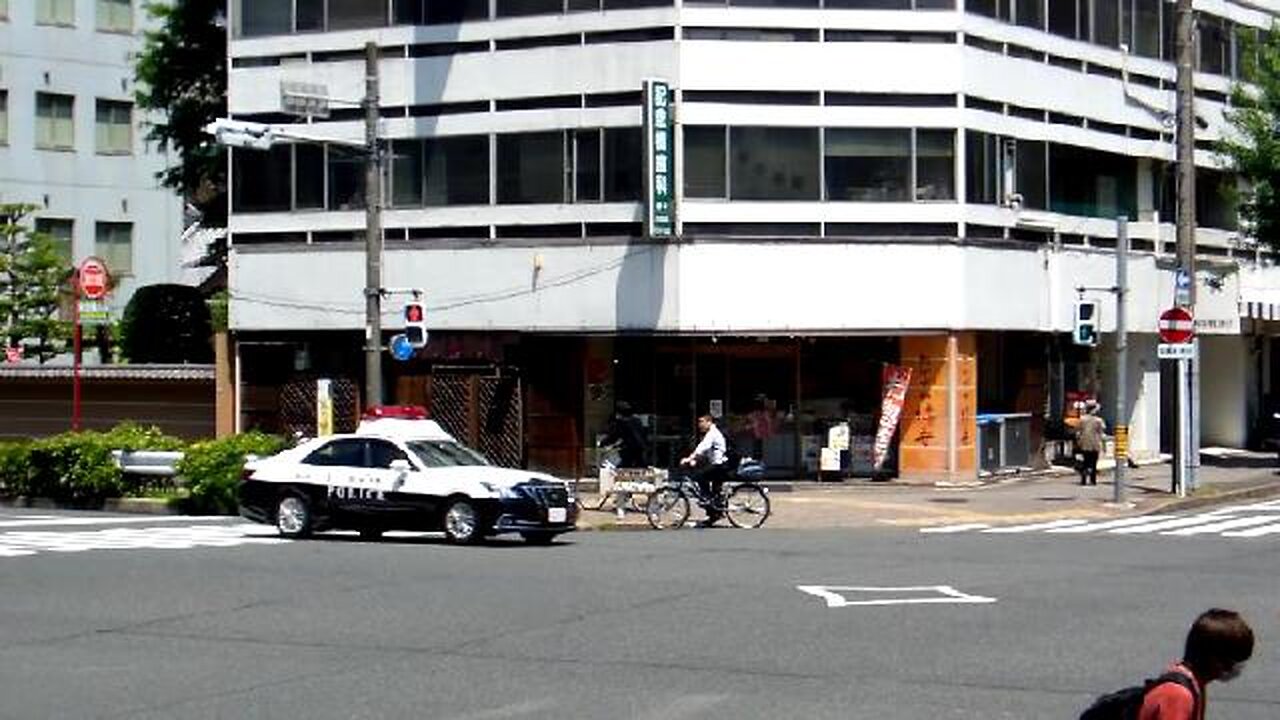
(710, 479)
(1089, 467)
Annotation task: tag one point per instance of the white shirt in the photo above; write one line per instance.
(711, 447)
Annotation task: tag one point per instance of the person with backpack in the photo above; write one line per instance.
(1217, 647)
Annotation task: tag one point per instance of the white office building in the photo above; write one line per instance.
(858, 185)
(73, 144)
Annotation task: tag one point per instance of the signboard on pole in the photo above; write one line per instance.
(94, 312)
(1182, 288)
(660, 159)
(1176, 326)
(896, 380)
(1176, 351)
(93, 279)
(324, 408)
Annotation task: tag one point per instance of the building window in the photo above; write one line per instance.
(1030, 13)
(935, 164)
(260, 179)
(704, 161)
(356, 14)
(4, 117)
(1214, 44)
(60, 232)
(439, 12)
(457, 170)
(531, 168)
(623, 155)
(4, 9)
(587, 165)
(869, 165)
(1063, 17)
(113, 242)
(1091, 183)
(56, 12)
(270, 17)
(1031, 175)
(1146, 28)
(115, 16)
(55, 124)
(114, 128)
(770, 163)
(982, 167)
(346, 180)
(517, 8)
(308, 176)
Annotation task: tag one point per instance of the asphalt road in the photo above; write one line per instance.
(684, 624)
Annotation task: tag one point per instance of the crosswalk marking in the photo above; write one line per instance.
(1254, 520)
(1110, 524)
(33, 542)
(80, 521)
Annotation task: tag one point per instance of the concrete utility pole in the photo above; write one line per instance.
(1122, 357)
(1186, 219)
(373, 233)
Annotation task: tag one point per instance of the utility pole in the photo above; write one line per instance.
(373, 233)
(1122, 357)
(1186, 218)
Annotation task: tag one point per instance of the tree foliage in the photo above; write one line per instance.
(1252, 149)
(182, 75)
(32, 278)
(167, 324)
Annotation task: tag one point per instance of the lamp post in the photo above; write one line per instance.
(313, 101)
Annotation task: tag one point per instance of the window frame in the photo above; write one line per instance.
(47, 15)
(53, 121)
(4, 115)
(101, 248)
(41, 225)
(111, 106)
(123, 28)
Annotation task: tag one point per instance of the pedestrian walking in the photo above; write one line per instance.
(1217, 647)
(1089, 439)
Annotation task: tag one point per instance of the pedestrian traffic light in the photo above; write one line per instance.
(415, 324)
(1086, 323)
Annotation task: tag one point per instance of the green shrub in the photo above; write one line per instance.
(14, 467)
(77, 467)
(212, 469)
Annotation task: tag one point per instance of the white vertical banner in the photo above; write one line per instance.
(324, 408)
(659, 146)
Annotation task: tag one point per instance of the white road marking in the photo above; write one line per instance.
(965, 527)
(1231, 524)
(1173, 524)
(1271, 529)
(52, 521)
(834, 595)
(33, 542)
(1110, 524)
(1050, 525)
(1272, 506)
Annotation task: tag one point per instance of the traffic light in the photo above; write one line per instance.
(1086, 323)
(415, 324)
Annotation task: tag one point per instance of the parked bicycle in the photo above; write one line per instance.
(742, 500)
(623, 488)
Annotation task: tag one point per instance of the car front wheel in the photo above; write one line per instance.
(293, 517)
(462, 523)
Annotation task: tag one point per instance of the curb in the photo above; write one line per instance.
(128, 506)
(1222, 498)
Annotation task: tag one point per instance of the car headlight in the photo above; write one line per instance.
(502, 492)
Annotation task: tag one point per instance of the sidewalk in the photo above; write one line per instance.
(1030, 497)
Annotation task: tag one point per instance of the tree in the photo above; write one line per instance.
(32, 277)
(1252, 150)
(166, 324)
(182, 75)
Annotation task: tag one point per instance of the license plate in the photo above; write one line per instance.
(557, 515)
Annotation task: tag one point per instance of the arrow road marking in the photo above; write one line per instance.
(834, 595)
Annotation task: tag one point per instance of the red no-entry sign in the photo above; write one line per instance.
(1176, 326)
(93, 279)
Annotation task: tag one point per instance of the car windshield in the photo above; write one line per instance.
(437, 453)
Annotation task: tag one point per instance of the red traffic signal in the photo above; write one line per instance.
(415, 324)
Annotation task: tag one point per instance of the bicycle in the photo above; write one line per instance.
(744, 502)
(634, 483)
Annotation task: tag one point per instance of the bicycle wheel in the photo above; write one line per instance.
(639, 502)
(747, 506)
(668, 509)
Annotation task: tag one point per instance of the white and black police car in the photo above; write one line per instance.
(401, 471)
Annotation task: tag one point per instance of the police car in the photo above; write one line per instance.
(401, 471)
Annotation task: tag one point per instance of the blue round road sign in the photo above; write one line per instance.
(400, 348)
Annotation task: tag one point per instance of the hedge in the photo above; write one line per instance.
(76, 467)
(212, 469)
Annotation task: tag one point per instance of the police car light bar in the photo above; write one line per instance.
(399, 412)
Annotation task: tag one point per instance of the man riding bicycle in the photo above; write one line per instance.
(710, 470)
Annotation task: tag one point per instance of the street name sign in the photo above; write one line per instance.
(1176, 326)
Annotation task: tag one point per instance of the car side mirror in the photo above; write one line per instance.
(401, 466)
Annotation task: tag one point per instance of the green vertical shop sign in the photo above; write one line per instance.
(660, 154)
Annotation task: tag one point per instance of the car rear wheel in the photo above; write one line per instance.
(462, 523)
(293, 517)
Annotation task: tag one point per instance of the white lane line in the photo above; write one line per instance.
(1202, 519)
(1110, 524)
(965, 527)
(1037, 526)
(111, 520)
(1271, 529)
(1232, 524)
(835, 595)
